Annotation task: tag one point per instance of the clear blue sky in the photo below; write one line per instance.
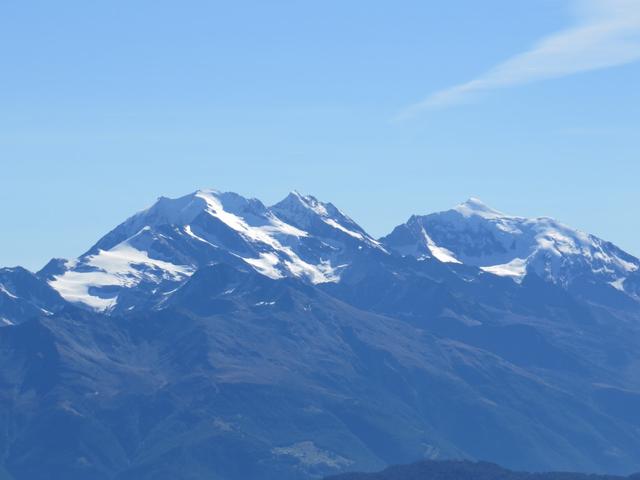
(384, 108)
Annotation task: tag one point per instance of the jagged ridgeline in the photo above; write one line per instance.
(211, 336)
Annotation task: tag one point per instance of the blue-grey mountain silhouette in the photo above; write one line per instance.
(211, 336)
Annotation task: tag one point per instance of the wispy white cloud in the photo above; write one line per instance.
(605, 33)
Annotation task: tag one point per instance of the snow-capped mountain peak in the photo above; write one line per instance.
(476, 207)
(307, 202)
(160, 247)
(307, 212)
(474, 234)
(155, 251)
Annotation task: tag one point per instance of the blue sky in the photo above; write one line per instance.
(384, 108)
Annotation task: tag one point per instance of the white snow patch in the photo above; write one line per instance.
(475, 207)
(516, 269)
(4, 290)
(121, 260)
(119, 266)
(618, 284)
(440, 253)
(261, 233)
(171, 292)
(334, 224)
(189, 231)
(277, 226)
(5, 322)
(74, 287)
(628, 266)
(321, 273)
(312, 204)
(266, 264)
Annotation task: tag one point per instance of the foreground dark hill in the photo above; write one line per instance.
(465, 470)
(214, 337)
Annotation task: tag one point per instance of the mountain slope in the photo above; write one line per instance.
(243, 376)
(23, 295)
(211, 336)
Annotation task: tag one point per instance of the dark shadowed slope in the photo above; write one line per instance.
(466, 470)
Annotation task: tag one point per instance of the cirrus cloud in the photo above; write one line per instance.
(605, 33)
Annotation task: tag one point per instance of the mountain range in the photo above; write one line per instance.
(212, 336)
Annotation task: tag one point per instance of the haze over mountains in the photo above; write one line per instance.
(213, 336)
